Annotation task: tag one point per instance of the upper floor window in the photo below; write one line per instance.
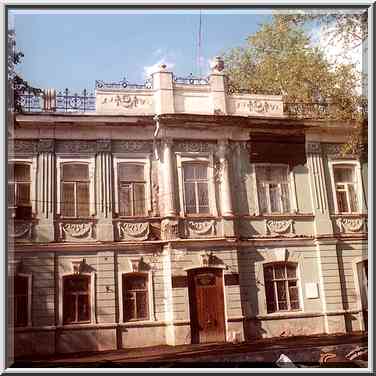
(346, 188)
(75, 186)
(132, 189)
(196, 188)
(135, 296)
(19, 190)
(281, 287)
(273, 188)
(76, 299)
(21, 300)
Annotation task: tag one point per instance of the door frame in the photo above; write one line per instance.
(218, 267)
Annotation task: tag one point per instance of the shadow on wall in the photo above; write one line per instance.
(250, 284)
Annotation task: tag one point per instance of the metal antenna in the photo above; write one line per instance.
(199, 44)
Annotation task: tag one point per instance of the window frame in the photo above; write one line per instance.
(32, 162)
(150, 305)
(203, 159)
(291, 189)
(358, 185)
(135, 159)
(29, 277)
(285, 280)
(91, 297)
(90, 162)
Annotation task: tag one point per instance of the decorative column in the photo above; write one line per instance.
(104, 190)
(169, 226)
(163, 91)
(46, 188)
(225, 189)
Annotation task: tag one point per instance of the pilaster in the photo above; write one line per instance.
(225, 188)
(168, 194)
(46, 192)
(322, 223)
(104, 191)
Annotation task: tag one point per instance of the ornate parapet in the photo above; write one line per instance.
(76, 230)
(132, 230)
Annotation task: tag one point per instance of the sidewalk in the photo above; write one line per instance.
(259, 353)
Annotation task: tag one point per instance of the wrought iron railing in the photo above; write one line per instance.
(191, 80)
(123, 84)
(62, 101)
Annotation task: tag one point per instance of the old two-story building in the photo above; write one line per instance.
(176, 212)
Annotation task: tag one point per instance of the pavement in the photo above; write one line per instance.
(308, 351)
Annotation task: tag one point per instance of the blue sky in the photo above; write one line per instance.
(73, 49)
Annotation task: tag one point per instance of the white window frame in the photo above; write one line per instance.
(298, 283)
(137, 159)
(358, 185)
(291, 184)
(32, 162)
(60, 161)
(92, 299)
(29, 277)
(149, 274)
(197, 158)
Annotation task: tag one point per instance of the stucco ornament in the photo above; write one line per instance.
(133, 230)
(279, 227)
(351, 224)
(201, 227)
(217, 65)
(76, 231)
(170, 229)
(21, 231)
(193, 146)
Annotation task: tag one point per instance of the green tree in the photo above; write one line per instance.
(16, 84)
(279, 59)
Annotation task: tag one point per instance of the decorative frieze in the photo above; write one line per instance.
(194, 146)
(201, 227)
(133, 146)
(284, 227)
(76, 146)
(352, 225)
(313, 148)
(133, 230)
(24, 147)
(76, 231)
(337, 151)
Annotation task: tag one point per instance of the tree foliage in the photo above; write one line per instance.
(279, 59)
(16, 84)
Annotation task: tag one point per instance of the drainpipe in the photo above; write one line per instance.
(156, 132)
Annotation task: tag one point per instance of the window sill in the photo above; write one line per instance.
(143, 323)
(354, 215)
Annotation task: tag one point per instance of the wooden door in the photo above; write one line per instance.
(207, 309)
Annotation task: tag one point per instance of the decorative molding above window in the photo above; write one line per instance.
(194, 146)
(132, 146)
(23, 147)
(75, 146)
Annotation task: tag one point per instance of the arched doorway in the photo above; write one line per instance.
(207, 307)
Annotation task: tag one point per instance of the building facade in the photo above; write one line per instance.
(179, 213)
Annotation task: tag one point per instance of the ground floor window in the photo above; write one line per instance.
(135, 296)
(21, 300)
(281, 287)
(76, 299)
